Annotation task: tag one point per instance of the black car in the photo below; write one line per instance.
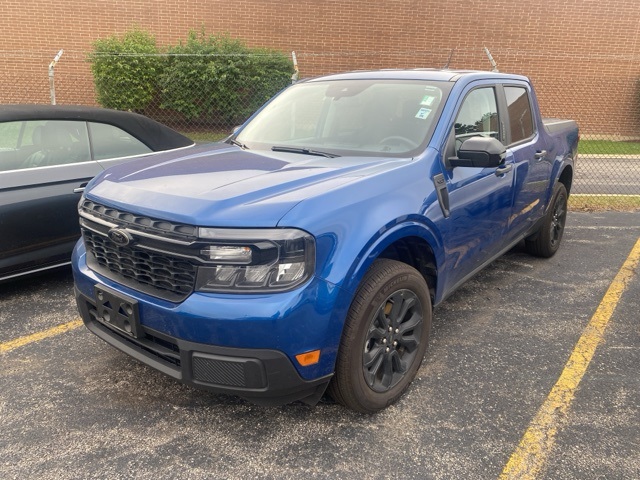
(47, 156)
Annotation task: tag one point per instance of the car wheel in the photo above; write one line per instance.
(384, 339)
(547, 240)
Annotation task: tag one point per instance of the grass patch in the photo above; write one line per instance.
(206, 136)
(607, 147)
(602, 203)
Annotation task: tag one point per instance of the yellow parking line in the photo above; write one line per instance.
(530, 457)
(35, 337)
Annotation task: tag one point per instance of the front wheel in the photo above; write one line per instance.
(547, 240)
(385, 337)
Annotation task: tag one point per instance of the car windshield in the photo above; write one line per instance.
(392, 118)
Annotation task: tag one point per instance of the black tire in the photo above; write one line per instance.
(384, 339)
(546, 241)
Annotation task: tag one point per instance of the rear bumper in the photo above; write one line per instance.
(263, 376)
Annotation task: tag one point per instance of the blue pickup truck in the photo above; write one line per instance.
(306, 252)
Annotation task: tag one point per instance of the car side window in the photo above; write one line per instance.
(478, 115)
(10, 142)
(43, 143)
(520, 115)
(9, 135)
(108, 141)
(18, 141)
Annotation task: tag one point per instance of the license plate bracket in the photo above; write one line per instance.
(117, 311)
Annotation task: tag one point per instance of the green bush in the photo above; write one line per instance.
(217, 79)
(126, 70)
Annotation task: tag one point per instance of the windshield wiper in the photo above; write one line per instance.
(304, 151)
(235, 142)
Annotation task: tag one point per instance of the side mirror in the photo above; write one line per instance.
(479, 152)
(235, 129)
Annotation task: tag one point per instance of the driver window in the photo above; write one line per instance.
(478, 115)
(51, 143)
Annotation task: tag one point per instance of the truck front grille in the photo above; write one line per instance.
(156, 270)
(152, 263)
(139, 222)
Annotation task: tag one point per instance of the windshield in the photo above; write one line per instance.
(349, 117)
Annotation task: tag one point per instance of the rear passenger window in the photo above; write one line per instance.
(108, 141)
(520, 116)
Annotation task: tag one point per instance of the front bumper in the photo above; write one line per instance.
(266, 377)
(233, 344)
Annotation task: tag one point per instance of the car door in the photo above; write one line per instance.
(480, 199)
(530, 159)
(40, 186)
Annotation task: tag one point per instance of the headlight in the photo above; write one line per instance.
(255, 260)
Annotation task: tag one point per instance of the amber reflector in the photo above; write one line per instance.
(309, 358)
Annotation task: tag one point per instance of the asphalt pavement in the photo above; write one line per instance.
(73, 407)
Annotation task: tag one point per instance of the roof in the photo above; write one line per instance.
(155, 135)
(419, 74)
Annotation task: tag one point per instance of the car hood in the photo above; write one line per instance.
(224, 186)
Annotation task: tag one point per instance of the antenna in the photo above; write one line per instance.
(493, 62)
(446, 65)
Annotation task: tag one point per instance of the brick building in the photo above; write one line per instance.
(583, 55)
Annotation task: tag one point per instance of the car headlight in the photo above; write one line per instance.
(254, 260)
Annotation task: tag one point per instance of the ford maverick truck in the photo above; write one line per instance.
(305, 253)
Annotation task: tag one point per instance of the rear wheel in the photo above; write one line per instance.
(547, 241)
(384, 339)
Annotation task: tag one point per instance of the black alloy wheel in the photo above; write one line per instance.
(385, 337)
(546, 241)
(393, 340)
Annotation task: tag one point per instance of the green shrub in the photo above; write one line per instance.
(218, 80)
(125, 70)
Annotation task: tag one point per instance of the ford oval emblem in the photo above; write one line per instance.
(119, 236)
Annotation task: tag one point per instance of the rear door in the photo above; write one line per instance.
(530, 157)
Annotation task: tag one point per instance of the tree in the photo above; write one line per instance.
(217, 79)
(126, 70)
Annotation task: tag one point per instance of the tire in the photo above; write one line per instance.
(375, 365)
(546, 241)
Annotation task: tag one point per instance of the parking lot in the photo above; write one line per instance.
(73, 407)
(623, 175)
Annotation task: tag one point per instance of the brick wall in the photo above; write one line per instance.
(583, 55)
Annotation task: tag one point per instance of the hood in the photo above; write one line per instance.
(222, 185)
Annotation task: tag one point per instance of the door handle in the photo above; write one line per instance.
(540, 154)
(504, 169)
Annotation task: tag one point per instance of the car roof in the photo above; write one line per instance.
(419, 74)
(155, 135)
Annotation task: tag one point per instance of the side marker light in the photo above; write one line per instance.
(308, 358)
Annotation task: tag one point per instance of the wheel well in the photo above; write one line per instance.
(566, 177)
(417, 253)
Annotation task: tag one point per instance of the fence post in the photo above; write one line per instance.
(52, 87)
(296, 73)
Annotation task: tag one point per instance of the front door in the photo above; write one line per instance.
(480, 199)
(40, 186)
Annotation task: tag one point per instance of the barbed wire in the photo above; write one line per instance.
(549, 54)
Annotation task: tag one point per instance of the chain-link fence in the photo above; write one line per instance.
(205, 97)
